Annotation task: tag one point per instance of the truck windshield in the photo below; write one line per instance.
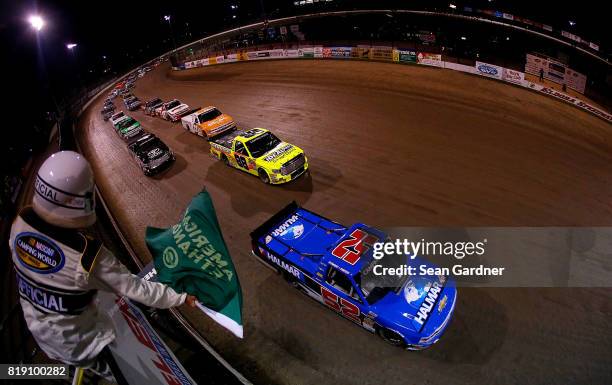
(209, 115)
(262, 144)
(127, 123)
(375, 287)
(172, 104)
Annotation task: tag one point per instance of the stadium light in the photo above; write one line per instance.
(71, 46)
(453, 6)
(36, 22)
(572, 23)
(463, 38)
(168, 19)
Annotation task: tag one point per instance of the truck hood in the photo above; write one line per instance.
(178, 109)
(279, 155)
(153, 154)
(131, 128)
(422, 304)
(215, 123)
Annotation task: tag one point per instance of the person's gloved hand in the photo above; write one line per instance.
(191, 300)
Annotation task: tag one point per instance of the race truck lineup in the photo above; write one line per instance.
(329, 262)
(257, 151)
(334, 264)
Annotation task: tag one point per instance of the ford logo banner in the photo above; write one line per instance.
(485, 69)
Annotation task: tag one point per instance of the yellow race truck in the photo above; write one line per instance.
(259, 152)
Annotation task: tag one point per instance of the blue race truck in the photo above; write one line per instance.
(334, 264)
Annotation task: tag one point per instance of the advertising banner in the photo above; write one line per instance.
(292, 53)
(575, 80)
(430, 59)
(575, 101)
(534, 63)
(276, 53)
(384, 53)
(489, 70)
(242, 56)
(508, 16)
(256, 55)
(306, 52)
(513, 76)
(361, 52)
(404, 56)
(267, 54)
(547, 27)
(283, 30)
(341, 52)
(326, 52)
(233, 57)
(594, 46)
(189, 64)
(212, 60)
(141, 354)
(318, 51)
(220, 59)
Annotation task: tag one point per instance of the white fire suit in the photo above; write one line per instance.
(58, 273)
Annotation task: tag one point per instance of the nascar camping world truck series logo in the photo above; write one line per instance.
(38, 254)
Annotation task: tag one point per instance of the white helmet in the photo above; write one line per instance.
(64, 191)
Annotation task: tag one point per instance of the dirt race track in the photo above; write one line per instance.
(388, 145)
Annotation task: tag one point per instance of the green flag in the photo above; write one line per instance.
(192, 257)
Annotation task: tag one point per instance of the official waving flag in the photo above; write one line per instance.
(192, 257)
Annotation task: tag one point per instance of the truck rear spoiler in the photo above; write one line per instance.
(277, 218)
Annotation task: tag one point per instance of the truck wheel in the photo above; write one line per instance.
(390, 337)
(263, 176)
(225, 160)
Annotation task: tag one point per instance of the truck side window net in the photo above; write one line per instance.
(240, 149)
(341, 282)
